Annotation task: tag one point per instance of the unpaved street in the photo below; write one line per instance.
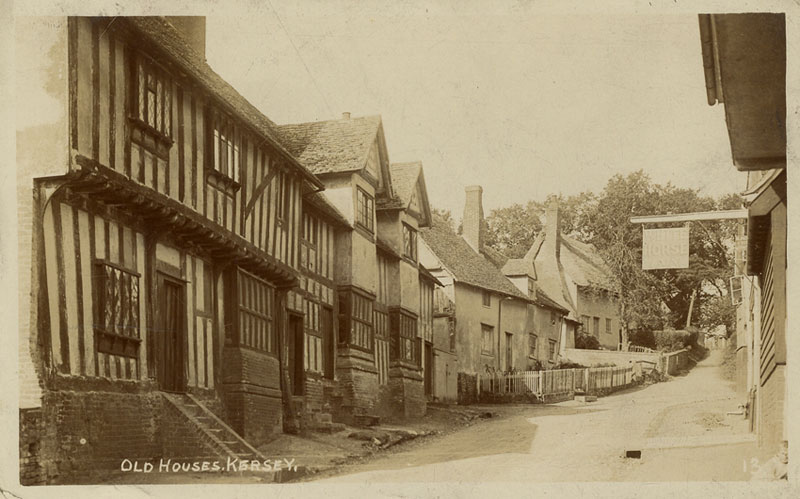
(680, 427)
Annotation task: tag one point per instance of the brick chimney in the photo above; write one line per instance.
(473, 217)
(193, 29)
(552, 241)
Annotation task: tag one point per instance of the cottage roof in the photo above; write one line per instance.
(581, 261)
(515, 267)
(405, 179)
(333, 146)
(165, 37)
(465, 264)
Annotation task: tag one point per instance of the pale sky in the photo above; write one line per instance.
(524, 104)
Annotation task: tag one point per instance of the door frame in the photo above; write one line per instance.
(298, 373)
(161, 277)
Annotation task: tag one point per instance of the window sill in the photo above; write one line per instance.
(221, 181)
(364, 232)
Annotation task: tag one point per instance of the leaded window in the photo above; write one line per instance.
(117, 313)
(365, 210)
(256, 302)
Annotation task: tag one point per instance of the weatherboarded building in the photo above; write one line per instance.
(744, 57)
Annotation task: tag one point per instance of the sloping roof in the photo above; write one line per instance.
(465, 264)
(332, 146)
(542, 298)
(404, 179)
(519, 266)
(165, 37)
(321, 202)
(581, 261)
(585, 265)
(498, 259)
(427, 274)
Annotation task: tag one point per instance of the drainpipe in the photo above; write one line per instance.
(500, 329)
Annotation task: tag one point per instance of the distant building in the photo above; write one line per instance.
(577, 278)
(483, 322)
(744, 56)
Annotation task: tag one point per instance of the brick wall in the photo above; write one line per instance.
(251, 393)
(771, 412)
(31, 429)
(82, 432)
(406, 392)
(358, 383)
(182, 439)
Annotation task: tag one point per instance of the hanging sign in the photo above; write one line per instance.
(665, 248)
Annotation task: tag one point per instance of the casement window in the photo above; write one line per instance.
(153, 96)
(356, 320)
(314, 356)
(608, 326)
(596, 326)
(150, 111)
(487, 340)
(283, 203)
(487, 298)
(409, 242)
(225, 159)
(309, 243)
(255, 303)
(532, 342)
(552, 353)
(404, 341)
(553, 317)
(117, 311)
(365, 210)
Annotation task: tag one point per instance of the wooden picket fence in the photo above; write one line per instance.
(554, 382)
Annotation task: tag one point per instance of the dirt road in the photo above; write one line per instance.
(680, 427)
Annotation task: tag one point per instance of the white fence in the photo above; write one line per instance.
(543, 384)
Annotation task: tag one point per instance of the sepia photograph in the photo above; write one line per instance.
(328, 243)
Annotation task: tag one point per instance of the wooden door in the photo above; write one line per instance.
(295, 366)
(171, 337)
(328, 343)
(509, 351)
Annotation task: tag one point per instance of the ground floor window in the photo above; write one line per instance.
(256, 304)
(356, 320)
(487, 340)
(552, 352)
(532, 340)
(117, 321)
(406, 346)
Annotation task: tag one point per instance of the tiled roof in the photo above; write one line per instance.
(465, 264)
(498, 259)
(542, 298)
(321, 202)
(332, 146)
(519, 266)
(161, 33)
(404, 179)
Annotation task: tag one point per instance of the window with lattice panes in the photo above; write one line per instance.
(532, 343)
(365, 210)
(314, 354)
(117, 318)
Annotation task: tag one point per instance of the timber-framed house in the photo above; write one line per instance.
(166, 236)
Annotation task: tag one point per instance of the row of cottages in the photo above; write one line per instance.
(484, 320)
(744, 57)
(187, 289)
(577, 277)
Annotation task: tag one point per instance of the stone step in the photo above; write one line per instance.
(366, 420)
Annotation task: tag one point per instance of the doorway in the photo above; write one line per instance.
(170, 337)
(296, 344)
(428, 368)
(328, 343)
(509, 351)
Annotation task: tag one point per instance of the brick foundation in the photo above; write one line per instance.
(358, 384)
(31, 429)
(251, 393)
(407, 391)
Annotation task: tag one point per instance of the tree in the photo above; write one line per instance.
(443, 216)
(512, 230)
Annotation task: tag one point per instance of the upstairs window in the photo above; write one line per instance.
(365, 210)
(153, 97)
(487, 298)
(225, 161)
(409, 242)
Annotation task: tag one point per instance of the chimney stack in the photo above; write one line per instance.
(473, 217)
(346, 115)
(193, 30)
(553, 229)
